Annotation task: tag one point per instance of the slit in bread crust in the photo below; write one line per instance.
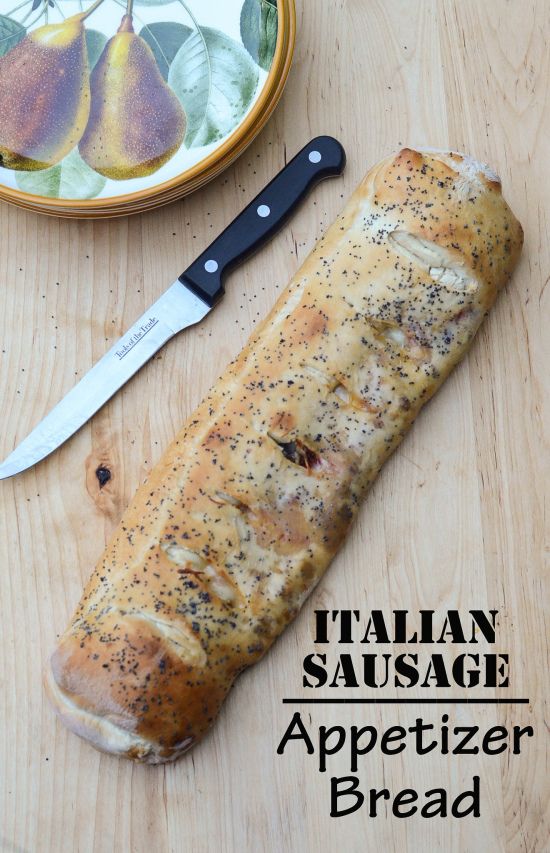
(298, 452)
(435, 260)
(184, 557)
(184, 643)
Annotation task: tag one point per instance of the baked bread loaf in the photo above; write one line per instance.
(244, 512)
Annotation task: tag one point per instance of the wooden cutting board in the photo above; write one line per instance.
(455, 521)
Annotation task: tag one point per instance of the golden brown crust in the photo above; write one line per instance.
(249, 504)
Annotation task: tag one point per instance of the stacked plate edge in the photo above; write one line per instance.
(109, 108)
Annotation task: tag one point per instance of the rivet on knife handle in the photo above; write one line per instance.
(323, 157)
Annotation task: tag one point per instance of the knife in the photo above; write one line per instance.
(186, 302)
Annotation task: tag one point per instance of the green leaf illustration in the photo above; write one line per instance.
(72, 178)
(215, 80)
(259, 22)
(165, 39)
(95, 42)
(11, 33)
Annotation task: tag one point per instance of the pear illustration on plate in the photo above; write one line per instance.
(44, 95)
(136, 121)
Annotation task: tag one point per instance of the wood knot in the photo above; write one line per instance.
(103, 484)
(103, 475)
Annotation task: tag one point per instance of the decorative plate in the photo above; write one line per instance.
(112, 106)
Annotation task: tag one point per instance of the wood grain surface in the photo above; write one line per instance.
(456, 519)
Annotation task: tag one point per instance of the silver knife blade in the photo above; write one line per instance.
(186, 302)
(176, 309)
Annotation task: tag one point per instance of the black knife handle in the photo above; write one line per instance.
(321, 158)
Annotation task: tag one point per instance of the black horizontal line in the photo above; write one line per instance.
(432, 701)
